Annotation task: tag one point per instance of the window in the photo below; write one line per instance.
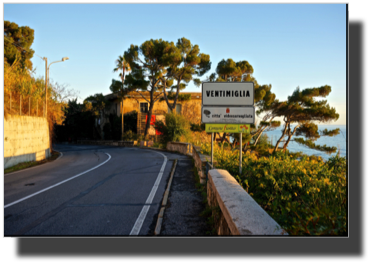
(144, 107)
(178, 108)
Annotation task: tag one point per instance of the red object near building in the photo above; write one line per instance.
(152, 119)
(152, 122)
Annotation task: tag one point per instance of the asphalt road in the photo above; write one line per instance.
(89, 191)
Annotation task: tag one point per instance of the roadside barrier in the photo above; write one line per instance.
(234, 211)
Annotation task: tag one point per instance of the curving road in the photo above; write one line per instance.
(88, 191)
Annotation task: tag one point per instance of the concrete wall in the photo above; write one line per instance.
(235, 212)
(26, 139)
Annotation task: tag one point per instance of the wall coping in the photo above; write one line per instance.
(202, 157)
(243, 214)
(181, 143)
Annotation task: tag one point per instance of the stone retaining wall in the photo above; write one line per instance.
(200, 160)
(26, 139)
(181, 147)
(235, 212)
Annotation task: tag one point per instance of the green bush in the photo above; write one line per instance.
(112, 129)
(107, 130)
(128, 136)
(131, 136)
(175, 126)
(130, 121)
(305, 197)
(197, 127)
(262, 146)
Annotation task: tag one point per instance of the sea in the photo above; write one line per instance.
(338, 141)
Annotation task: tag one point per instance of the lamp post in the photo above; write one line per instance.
(47, 78)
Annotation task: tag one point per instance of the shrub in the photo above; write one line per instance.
(197, 127)
(129, 136)
(173, 128)
(107, 131)
(306, 197)
(130, 121)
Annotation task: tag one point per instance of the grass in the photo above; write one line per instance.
(26, 165)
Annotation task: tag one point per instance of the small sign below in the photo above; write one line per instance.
(228, 115)
(228, 128)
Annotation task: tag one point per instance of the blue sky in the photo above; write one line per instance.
(288, 45)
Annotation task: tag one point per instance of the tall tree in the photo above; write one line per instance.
(99, 105)
(17, 43)
(131, 82)
(228, 70)
(185, 61)
(150, 61)
(302, 109)
(123, 66)
(78, 123)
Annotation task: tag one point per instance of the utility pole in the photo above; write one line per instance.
(47, 79)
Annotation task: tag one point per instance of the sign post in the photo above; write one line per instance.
(228, 107)
(212, 149)
(240, 154)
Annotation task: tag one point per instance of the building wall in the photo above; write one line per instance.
(191, 109)
(26, 138)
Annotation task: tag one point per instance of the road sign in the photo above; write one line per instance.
(227, 93)
(228, 115)
(228, 103)
(228, 128)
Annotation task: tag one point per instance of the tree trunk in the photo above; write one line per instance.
(244, 149)
(122, 105)
(289, 137)
(176, 96)
(261, 132)
(282, 136)
(151, 103)
(259, 135)
(122, 119)
(166, 97)
(150, 111)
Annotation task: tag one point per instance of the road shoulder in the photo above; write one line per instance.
(182, 215)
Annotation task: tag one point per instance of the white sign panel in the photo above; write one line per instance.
(227, 93)
(228, 115)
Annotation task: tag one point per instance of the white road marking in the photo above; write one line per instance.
(50, 187)
(59, 155)
(140, 220)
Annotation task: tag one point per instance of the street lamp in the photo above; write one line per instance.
(47, 77)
